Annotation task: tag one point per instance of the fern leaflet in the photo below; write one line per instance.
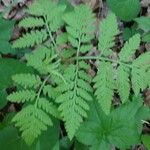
(74, 95)
(42, 14)
(108, 31)
(104, 86)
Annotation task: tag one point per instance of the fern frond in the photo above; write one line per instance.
(46, 15)
(27, 80)
(84, 65)
(76, 93)
(46, 61)
(31, 122)
(38, 8)
(123, 83)
(30, 39)
(73, 100)
(139, 80)
(80, 22)
(108, 29)
(49, 107)
(51, 12)
(80, 27)
(83, 75)
(142, 60)
(31, 22)
(86, 48)
(54, 18)
(130, 47)
(22, 96)
(104, 86)
(51, 92)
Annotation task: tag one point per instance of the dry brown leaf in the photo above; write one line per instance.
(145, 3)
(92, 3)
(147, 99)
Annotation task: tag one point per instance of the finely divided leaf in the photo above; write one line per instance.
(27, 80)
(130, 47)
(31, 22)
(73, 100)
(108, 29)
(22, 96)
(123, 83)
(104, 85)
(139, 80)
(30, 39)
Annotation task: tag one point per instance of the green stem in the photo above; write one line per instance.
(49, 32)
(103, 58)
(40, 90)
(77, 66)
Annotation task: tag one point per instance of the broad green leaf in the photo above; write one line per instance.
(65, 143)
(146, 141)
(48, 140)
(9, 138)
(129, 32)
(125, 9)
(9, 67)
(80, 146)
(146, 37)
(120, 128)
(3, 100)
(6, 29)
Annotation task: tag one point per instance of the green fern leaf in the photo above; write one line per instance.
(140, 73)
(80, 27)
(45, 59)
(22, 96)
(108, 31)
(139, 80)
(130, 48)
(104, 86)
(142, 60)
(32, 121)
(30, 39)
(73, 100)
(80, 22)
(46, 15)
(123, 83)
(51, 12)
(49, 107)
(51, 92)
(84, 65)
(27, 80)
(31, 22)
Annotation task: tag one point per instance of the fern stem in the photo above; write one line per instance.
(77, 66)
(105, 59)
(49, 32)
(40, 90)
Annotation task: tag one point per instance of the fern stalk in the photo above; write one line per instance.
(77, 65)
(40, 90)
(104, 59)
(49, 32)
